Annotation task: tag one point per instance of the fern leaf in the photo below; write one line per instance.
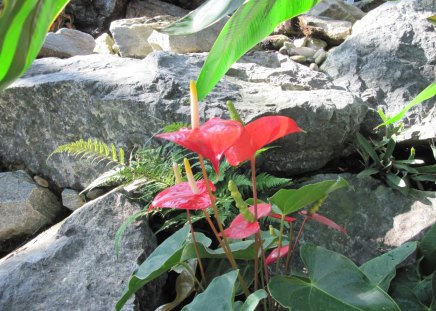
(267, 182)
(121, 152)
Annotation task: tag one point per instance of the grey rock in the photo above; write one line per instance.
(24, 207)
(104, 44)
(72, 265)
(377, 218)
(300, 42)
(116, 95)
(283, 51)
(40, 181)
(320, 57)
(152, 8)
(94, 17)
(273, 42)
(337, 9)
(314, 66)
(201, 41)
(288, 28)
(299, 58)
(391, 51)
(95, 193)
(316, 44)
(334, 32)
(71, 199)
(66, 43)
(187, 4)
(131, 35)
(306, 52)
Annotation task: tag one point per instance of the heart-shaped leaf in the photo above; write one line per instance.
(334, 283)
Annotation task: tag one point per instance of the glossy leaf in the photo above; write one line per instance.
(218, 295)
(292, 200)
(368, 172)
(252, 22)
(334, 283)
(427, 93)
(23, 26)
(185, 285)
(368, 148)
(181, 196)
(382, 269)
(162, 259)
(211, 140)
(427, 247)
(241, 228)
(204, 16)
(257, 134)
(253, 300)
(395, 180)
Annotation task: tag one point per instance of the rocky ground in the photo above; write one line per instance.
(116, 79)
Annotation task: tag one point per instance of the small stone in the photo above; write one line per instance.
(316, 44)
(104, 44)
(334, 32)
(67, 43)
(95, 193)
(306, 52)
(298, 58)
(321, 57)
(71, 199)
(301, 42)
(40, 181)
(288, 45)
(314, 67)
(274, 42)
(283, 50)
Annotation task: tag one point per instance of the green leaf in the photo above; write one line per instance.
(367, 147)
(334, 283)
(253, 300)
(396, 181)
(204, 16)
(23, 26)
(368, 172)
(381, 270)
(252, 22)
(162, 259)
(389, 150)
(431, 169)
(217, 296)
(405, 167)
(427, 93)
(292, 200)
(431, 178)
(427, 247)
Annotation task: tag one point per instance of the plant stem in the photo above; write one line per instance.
(223, 242)
(279, 242)
(296, 239)
(197, 253)
(256, 237)
(288, 256)
(184, 264)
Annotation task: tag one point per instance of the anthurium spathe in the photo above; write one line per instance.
(210, 140)
(324, 220)
(257, 134)
(241, 228)
(181, 196)
(277, 253)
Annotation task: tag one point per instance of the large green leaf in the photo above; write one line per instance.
(252, 22)
(163, 258)
(427, 246)
(204, 16)
(291, 200)
(334, 283)
(23, 26)
(427, 93)
(381, 270)
(217, 296)
(252, 301)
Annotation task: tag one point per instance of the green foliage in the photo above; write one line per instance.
(378, 159)
(93, 150)
(219, 294)
(427, 248)
(204, 16)
(23, 26)
(291, 200)
(334, 283)
(252, 22)
(252, 301)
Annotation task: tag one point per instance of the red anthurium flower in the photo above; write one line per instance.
(325, 221)
(210, 140)
(241, 228)
(257, 134)
(181, 196)
(287, 218)
(274, 255)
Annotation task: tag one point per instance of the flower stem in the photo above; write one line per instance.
(279, 242)
(223, 242)
(256, 236)
(295, 244)
(192, 274)
(288, 256)
(197, 253)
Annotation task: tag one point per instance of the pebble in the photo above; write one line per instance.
(301, 42)
(306, 52)
(40, 181)
(71, 199)
(321, 57)
(314, 67)
(283, 50)
(298, 58)
(316, 44)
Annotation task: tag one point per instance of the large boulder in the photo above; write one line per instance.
(389, 58)
(72, 265)
(152, 8)
(337, 9)
(94, 17)
(126, 101)
(376, 217)
(25, 207)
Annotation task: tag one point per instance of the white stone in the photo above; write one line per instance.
(104, 44)
(66, 43)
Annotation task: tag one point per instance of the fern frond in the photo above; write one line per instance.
(174, 127)
(267, 182)
(91, 150)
